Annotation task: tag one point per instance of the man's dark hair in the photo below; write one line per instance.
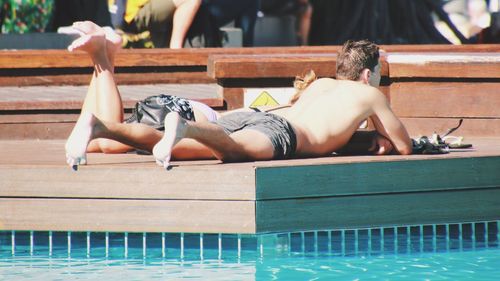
(356, 56)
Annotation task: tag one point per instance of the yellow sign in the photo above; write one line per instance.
(264, 99)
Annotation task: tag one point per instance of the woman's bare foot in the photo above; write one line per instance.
(91, 43)
(113, 40)
(175, 130)
(82, 134)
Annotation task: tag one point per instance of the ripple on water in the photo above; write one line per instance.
(471, 265)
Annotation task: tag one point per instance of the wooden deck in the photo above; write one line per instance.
(130, 193)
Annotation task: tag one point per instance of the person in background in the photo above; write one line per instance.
(301, 9)
(68, 11)
(166, 21)
(218, 13)
(485, 19)
(477, 20)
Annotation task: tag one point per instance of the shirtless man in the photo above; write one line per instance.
(321, 122)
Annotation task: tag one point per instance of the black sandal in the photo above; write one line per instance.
(454, 142)
(439, 145)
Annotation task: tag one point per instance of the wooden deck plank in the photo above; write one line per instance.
(274, 65)
(470, 127)
(150, 182)
(137, 176)
(164, 56)
(394, 65)
(127, 215)
(366, 178)
(36, 131)
(71, 97)
(151, 77)
(446, 99)
(116, 176)
(124, 58)
(443, 48)
(351, 212)
(24, 117)
(435, 65)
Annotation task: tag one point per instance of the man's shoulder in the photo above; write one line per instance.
(341, 86)
(324, 80)
(355, 85)
(326, 83)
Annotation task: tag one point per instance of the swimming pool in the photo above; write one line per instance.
(466, 251)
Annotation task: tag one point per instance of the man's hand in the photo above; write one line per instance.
(381, 145)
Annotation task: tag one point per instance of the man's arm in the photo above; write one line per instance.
(388, 125)
(367, 143)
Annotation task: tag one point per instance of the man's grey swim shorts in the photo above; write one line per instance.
(277, 128)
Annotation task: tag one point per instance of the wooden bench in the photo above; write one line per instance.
(60, 67)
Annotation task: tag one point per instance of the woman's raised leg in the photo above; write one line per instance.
(103, 98)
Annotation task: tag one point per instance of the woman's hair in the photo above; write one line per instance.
(354, 57)
(301, 83)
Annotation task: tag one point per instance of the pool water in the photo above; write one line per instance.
(468, 251)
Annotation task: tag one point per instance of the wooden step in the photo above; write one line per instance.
(49, 112)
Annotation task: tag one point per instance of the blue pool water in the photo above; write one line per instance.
(438, 252)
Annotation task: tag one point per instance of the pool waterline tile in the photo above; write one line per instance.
(415, 239)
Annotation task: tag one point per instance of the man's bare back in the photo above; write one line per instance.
(329, 112)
